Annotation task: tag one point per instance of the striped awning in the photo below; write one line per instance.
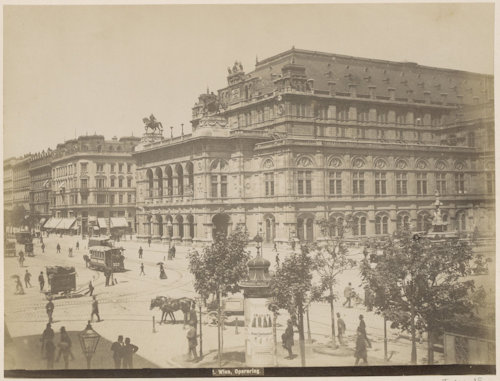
(103, 222)
(52, 223)
(66, 223)
(119, 222)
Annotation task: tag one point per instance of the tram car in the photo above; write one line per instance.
(106, 258)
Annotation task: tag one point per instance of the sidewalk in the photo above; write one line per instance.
(24, 352)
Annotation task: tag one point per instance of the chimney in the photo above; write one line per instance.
(427, 97)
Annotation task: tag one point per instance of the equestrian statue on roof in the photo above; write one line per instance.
(152, 124)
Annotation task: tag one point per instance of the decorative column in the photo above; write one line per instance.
(260, 342)
(187, 233)
(156, 229)
(166, 233)
(176, 238)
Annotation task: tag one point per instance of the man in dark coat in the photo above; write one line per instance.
(27, 279)
(142, 270)
(128, 353)
(58, 248)
(192, 342)
(43, 247)
(362, 328)
(173, 251)
(117, 348)
(77, 245)
(91, 288)
(49, 307)
(41, 280)
(360, 352)
(47, 335)
(287, 339)
(149, 241)
(95, 310)
(140, 252)
(50, 353)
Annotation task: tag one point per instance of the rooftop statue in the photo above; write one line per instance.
(152, 124)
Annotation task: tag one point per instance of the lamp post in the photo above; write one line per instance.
(199, 301)
(89, 340)
(258, 239)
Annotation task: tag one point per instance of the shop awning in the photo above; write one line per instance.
(52, 223)
(92, 218)
(66, 223)
(42, 220)
(119, 222)
(103, 222)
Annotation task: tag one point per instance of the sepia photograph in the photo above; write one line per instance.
(213, 190)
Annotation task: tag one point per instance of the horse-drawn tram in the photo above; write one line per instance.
(106, 258)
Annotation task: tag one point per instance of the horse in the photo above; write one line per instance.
(152, 124)
(169, 305)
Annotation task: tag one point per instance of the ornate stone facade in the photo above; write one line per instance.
(311, 135)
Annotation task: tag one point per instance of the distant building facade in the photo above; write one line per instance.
(309, 136)
(21, 182)
(93, 185)
(8, 184)
(40, 172)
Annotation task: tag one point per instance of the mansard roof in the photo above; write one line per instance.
(408, 79)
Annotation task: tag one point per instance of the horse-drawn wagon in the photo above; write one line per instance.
(62, 282)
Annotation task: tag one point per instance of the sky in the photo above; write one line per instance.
(76, 70)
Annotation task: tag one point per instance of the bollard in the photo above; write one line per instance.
(236, 325)
(154, 330)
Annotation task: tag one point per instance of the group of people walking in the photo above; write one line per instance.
(123, 353)
(49, 348)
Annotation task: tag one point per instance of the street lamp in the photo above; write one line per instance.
(199, 301)
(89, 340)
(258, 239)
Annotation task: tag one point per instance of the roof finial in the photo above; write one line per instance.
(208, 91)
(256, 59)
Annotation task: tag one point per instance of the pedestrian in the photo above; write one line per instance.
(293, 244)
(117, 348)
(142, 270)
(275, 247)
(368, 299)
(340, 328)
(70, 252)
(43, 247)
(41, 280)
(140, 252)
(58, 248)
(27, 279)
(21, 258)
(128, 353)
(95, 310)
(360, 352)
(49, 307)
(47, 335)
(287, 339)
(362, 327)
(348, 291)
(87, 260)
(192, 342)
(50, 353)
(91, 288)
(19, 286)
(173, 251)
(107, 274)
(77, 245)
(65, 348)
(149, 241)
(163, 275)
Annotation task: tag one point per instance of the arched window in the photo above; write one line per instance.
(381, 224)
(159, 177)
(359, 225)
(218, 179)
(170, 180)
(190, 175)
(461, 221)
(149, 175)
(305, 228)
(423, 222)
(403, 221)
(180, 179)
(336, 226)
(445, 222)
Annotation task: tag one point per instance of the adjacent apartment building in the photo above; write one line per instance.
(309, 136)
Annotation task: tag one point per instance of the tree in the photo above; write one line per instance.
(419, 285)
(331, 260)
(220, 266)
(18, 216)
(291, 287)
